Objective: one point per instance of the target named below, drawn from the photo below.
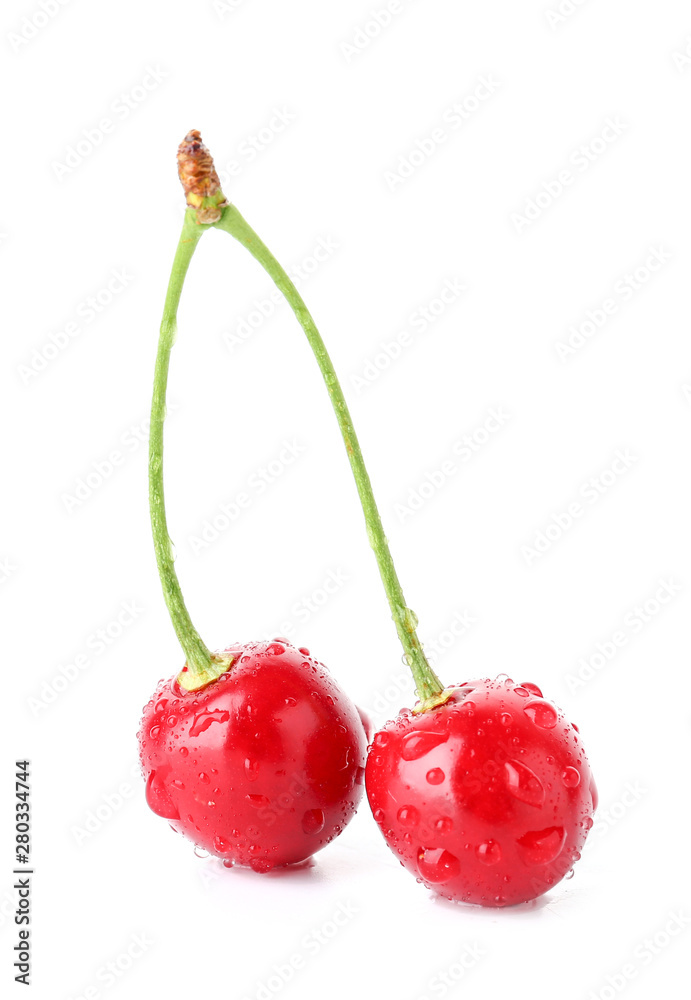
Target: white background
(350, 115)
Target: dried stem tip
(199, 178)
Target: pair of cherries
(256, 754)
(486, 798)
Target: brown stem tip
(199, 178)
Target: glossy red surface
(264, 766)
(487, 799)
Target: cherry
(254, 753)
(486, 798)
(264, 766)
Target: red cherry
(487, 798)
(262, 767)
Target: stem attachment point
(434, 701)
(194, 680)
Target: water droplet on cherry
(523, 783)
(408, 816)
(275, 649)
(258, 801)
(489, 852)
(260, 865)
(444, 825)
(158, 798)
(435, 776)
(533, 688)
(541, 713)
(593, 794)
(437, 865)
(539, 847)
(313, 821)
(571, 777)
(205, 719)
(420, 742)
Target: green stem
(430, 689)
(202, 666)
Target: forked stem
(430, 689)
(208, 207)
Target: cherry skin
(262, 767)
(486, 799)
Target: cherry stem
(430, 689)
(202, 666)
